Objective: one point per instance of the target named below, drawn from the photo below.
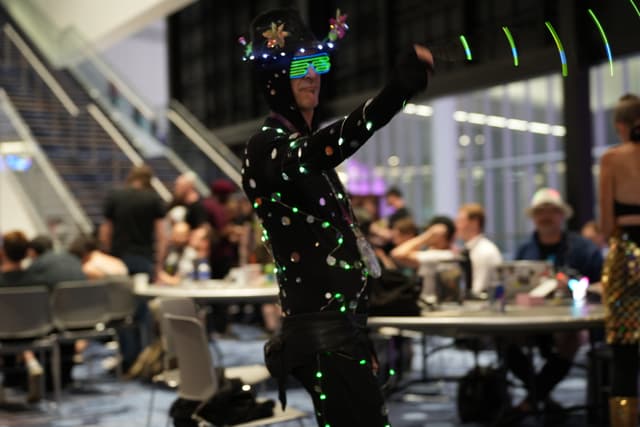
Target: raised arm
(327, 148)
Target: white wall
(13, 212)
(140, 60)
(104, 22)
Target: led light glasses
(300, 65)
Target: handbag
(621, 285)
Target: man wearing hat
(571, 254)
(324, 263)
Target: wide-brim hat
(548, 197)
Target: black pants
(539, 385)
(345, 392)
(625, 370)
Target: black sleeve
(109, 206)
(330, 146)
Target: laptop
(520, 276)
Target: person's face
(623, 131)
(392, 201)
(180, 235)
(590, 233)
(306, 90)
(464, 227)
(181, 187)
(548, 219)
(199, 240)
(398, 237)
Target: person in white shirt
(437, 239)
(484, 254)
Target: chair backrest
(198, 379)
(80, 304)
(122, 301)
(176, 306)
(24, 312)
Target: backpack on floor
(482, 394)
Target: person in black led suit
(323, 261)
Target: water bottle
(203, 271)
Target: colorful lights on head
(320, 62)
(279, 43)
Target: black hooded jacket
(288, 174)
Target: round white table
(476, 319)
(215, 291)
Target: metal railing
(124, 107)
(47, 191)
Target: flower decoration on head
(338, 26)
(275, 35)
(248, 47)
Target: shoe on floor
(35, 372)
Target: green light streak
(563, 56)
(604, 39)
(465, 45)
(512, 43)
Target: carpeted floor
(109, 403)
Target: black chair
(25, 324)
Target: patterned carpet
(109, 403)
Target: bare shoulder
(612, 154)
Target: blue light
(18, 163)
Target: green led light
(294, 210)
(465, 45)
(323, 396)
(318, 374)
(343, 309)
(363, 362)
(512, 43)
(302, 169)
(326, 224)
(392, 372)
(369, 125)
(563, 56)
(635, 7)
(255, 206)
(338, 295)
(340, 141)
(340, 240)
(607, 47)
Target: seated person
(483, 253)
(95, 263)
(12, 254)
(178, 242)
(193, 261)
(426, 250)
(49, 267)
(567, 251)
(403, 230)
